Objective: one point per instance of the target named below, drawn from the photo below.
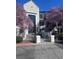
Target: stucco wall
(32, 9)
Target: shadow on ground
(59, 45)
(25, 52)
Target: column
(52, 38)
(38, 39)
(25, 34)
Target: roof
(28, 2)
(44, 11)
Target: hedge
(19, 39)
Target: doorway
(33, 18)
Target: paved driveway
(39, 51)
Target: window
(41, 23)
(41, 16)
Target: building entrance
(33, 30)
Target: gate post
(38, 39)
(53, 38)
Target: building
(32, 11)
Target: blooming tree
(54, 18)
(21, 19)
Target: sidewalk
(39, 51)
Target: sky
(44, 5)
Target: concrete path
(39, 51)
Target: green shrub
(19, 39)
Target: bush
(60, 36)
(19, 39)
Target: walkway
(39, 51)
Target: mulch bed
(24, 44)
